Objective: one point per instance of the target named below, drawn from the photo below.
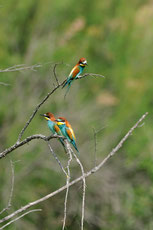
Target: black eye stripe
(60, 120)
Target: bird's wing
(70, 127)
(57, 129)
(74, 72)
(70, 133)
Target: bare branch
(19, 217)
(12, 188)
(26, 140)
(89, 74)
(84, 188)
(56, 158)
(93, 170)
(54, 71)
(67, 182)
(5, 84)
(20, 67)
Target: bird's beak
(44, 115)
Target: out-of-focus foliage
(116, 37)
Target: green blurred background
(116, 37)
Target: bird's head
(48, 116)
(61, 121)
(82, 62)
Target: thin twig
(12, 188)
(20, 67)
(56, 158)
(89, 74)
(5, 84)
(85, 75)
(93, 170)
(84, 188)
(67, 182)
(19, 217)
(54, 71)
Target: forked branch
(27, 140)
(93, 170)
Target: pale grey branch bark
(93, 170)
(89, 74)
(19, 217)
(67, 182)
(12, 188)
(84, 188)
(4, 84)
(56, 158)
(20, 68)
(54, 71)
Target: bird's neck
(81, 67)
(52, 119)
(50, 122)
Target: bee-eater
(53, 126)
(75, 72)
(67, 131)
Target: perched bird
(75, 72)
(67, 131)
(53, 126)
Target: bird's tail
(74, 144)
(65, 83)
(68, 87)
